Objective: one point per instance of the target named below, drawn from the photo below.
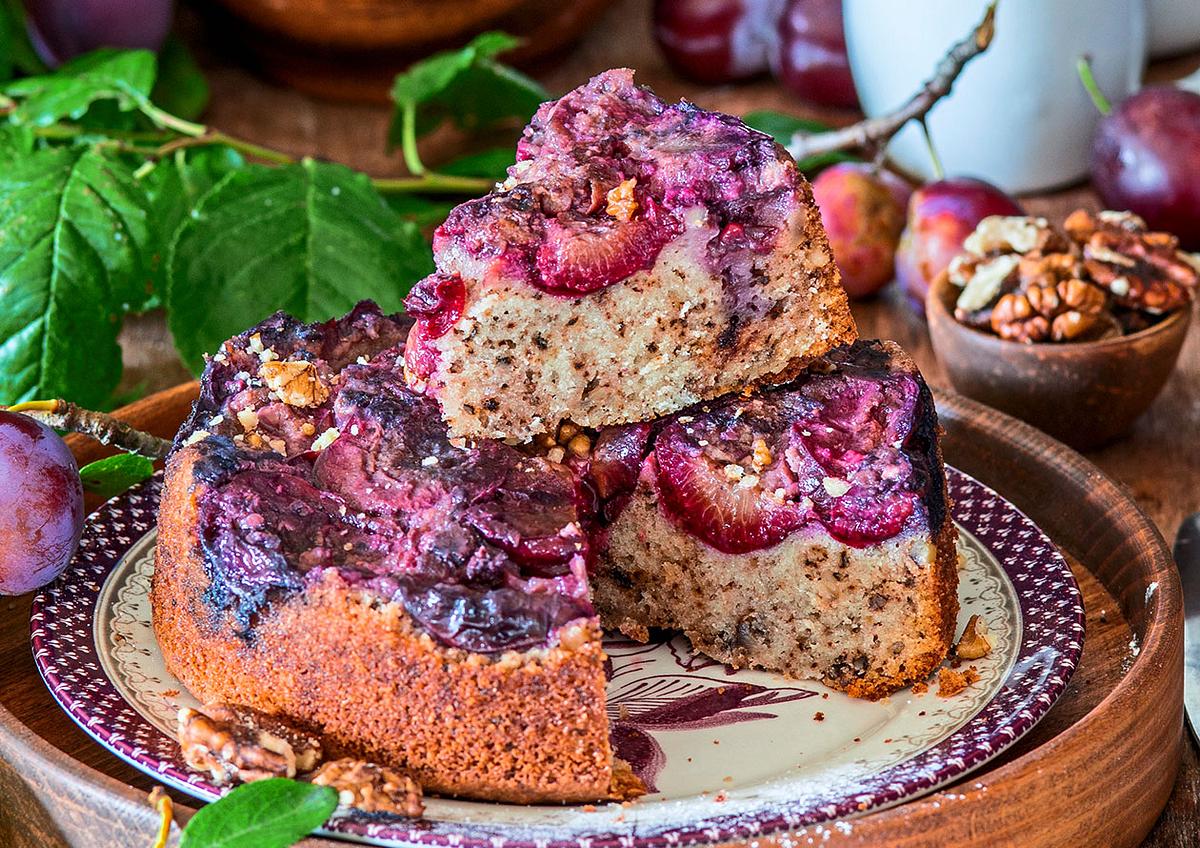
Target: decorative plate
(726, 754)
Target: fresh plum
(809, 55)
(941, 215)
(41, 504)
(64, 29)
(716, 41)
(863, 210)
(1146, 158)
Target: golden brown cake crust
(524, 728)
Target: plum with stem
(41, 504)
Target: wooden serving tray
(1096, 771)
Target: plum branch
(874, 132)
(104, 428)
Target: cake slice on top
(639, 258)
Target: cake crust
(524, 727)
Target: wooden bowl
(1084, 394)
(351, 49)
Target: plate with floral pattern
(725, 754)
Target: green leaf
(492, 164)
(72, 231)
(272, 813)
(114, 474)
(123, 76)
(16, 52)
(312, 239)
(181, 88)
(467, 86)
(421, 210)
(783, 127)
(174, 187)
(15, 141)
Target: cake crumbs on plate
(951, 681)
(818, 716)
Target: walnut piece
(234, 743)
(1142, 269)
(1013, 234)
(621, 202)
(974, 642)
(1070, 311)
(371, 788)
(296, 383)
(986, 283)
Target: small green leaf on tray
(467, 86)
(122, 76)
(273, 813)
(311, 239)
(181, 88)
(114, 474)
(784, 127)
(73, 230)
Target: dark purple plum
(41, 504)
(716, 41)
(1146, 159)
(64, 29)
(808, 56)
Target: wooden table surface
(1159, 462)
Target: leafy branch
(114, 204)
(872, 133)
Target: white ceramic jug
(1018, 115)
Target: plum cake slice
(803, 529)
(640, 257)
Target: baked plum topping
(836, 446)
(490, 620)
(437, 302)
(608, 175)
(233, 377)
(485, 545)
(584, 255)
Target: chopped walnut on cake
(641, 256)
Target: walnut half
(296, 383)
(234, 743)
(974, 642)
(371, 788)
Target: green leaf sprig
(272, 813)
(115, 201)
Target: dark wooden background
(1159, 462)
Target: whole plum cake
(639, 258)
(330, 555)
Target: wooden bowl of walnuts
(1073, 329)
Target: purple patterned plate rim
(1047, 642)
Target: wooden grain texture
(1111, 742)
(1158, 465)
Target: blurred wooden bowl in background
(351, 49)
